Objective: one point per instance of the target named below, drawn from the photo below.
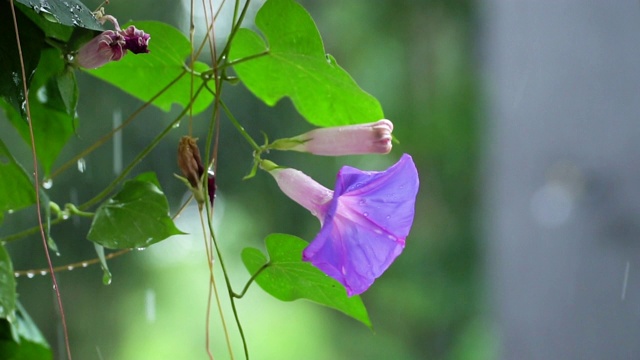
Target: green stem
(28, 232)
(237, 23)
(108, 136)
(73, 210)
(239, 127)
(251, 280)
(244, 59)
(140, 156)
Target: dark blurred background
(522, 120)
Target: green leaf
(7, 284)
(135, 217)
(32, 41)
(52, 99)
(296, 66)
(71, 13)
(22, 340)
(16, 189)
(288, 278)
(144, 75)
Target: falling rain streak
(117, 142)
(82, 165)
(625, 281)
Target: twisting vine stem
(37, 183)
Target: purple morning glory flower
(365, 221)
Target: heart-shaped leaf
(287, 277)
(135, 217)
(144, 75)
(294, 64)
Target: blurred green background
(417, 58)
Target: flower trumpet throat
(364, 220)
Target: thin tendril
(212, 127)
(251, 280)
(37, 183)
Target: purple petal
(365, 228)
(136, 40)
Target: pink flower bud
(189, 161)
(371, 138)
(108, 46)
(112, 46)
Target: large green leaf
(71, 13)
(295, 65)
(21, 340)
(52, 101)
(7, 284)
(135, 217)
(144, 75)
(288, 278)
(68, 21)
(16, 189)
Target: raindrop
(55, 287)
(42, 95)
(82, 165)
(10, 211)
(140, 248)
(16, 274)
(366, 214)
(30, 275)
(47, 184)
(85, 264)
(106, 280)
(176, 125)
(43, 272)
(65, 216)
(117, 142)
(70, 267)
